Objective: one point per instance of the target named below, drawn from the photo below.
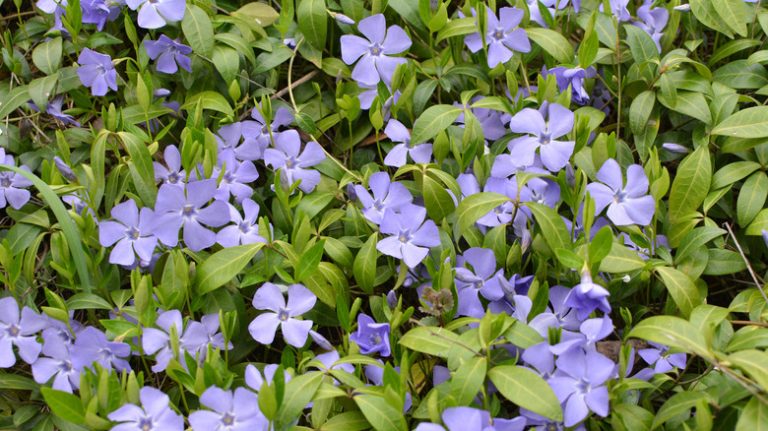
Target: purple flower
(542, 191)
(481, 279)
(100, 11)
(397, 156)
(472, 419)
(131, 231)
(50, 6)
(619, 9)
(230, 411)
(270, 297)
(379, 43)
(18, 329)
(587, 297)
(158, 341)
(292, 164)
(157, 13)
(261, 130)
(514, 302)
(503, 213)
(254, 378)
(154, 414)
(57, 365)
(559, 315)
(386, 195)
(580, 384)
(341, 18)
(246, 228)
(573, 77)
(652, 21)
(235, 177)
(176, 209)
(171, 173)
(590, 332)
(170, 54)
(12, 184)
(662, 361)
(97, 72)
(54, 110)
(65, 170)
(491, 121)
(372, 337)
(411, 236)
(627, 203)
(550, 122)
(241, 139)
(329, 359)
(503, 36)
(92, 345)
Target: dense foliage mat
(387, 214)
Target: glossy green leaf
(382, 415)
(313, 21)
(198, 30)
(527, 389)
(691, 184)
(674, 332)
(432, 121)
(223, 266)
(552, 42)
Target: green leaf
(198, 30)
(706, 13)
(748, 337)
(569, 259)
(677, 404)
(754, 416)
(64, 405)
(309, 261)
(223, 266)
(640, 111)
(752, 362)
(66, 223)
(733, 172)
(673, 332)
(475, 206)
(457, 27)
(751, 198)
(347, 421)
(141, 167)
(526, 389)
(382, 415)
(621, 259)
(640, 44)
(741, 74)
(601, 245)
(227, 62)
(270, 60)
(690, 103)
(724, 262)
(263, 14)
(436, 199)
(298, 393)
(208, 100)
(47, 56)
(732, 14)
(431, 340)
(364, 266)
(681, 288)
(408, 9)
(313, 21)
(747, 123)
(41, 90)
(552, 226)
(16, 97)
(17, 382)
(432, 121)
(691, 184)
(88, 301)
(553, 43)
(468, 379)
(759, 224)
(696, 238)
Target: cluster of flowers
(192, 203)
(60, 351)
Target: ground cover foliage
(389, 215)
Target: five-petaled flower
(543, 127)
(154, 414)
(230, 411)
(372, 337)
(170, 54)
(386, 195)
(293, 163)
(627, 202)
(97, 72)
(374, 50)
(270, 297)
(398, 155)
(411, 237)
(18, 328)
(503, 36)
(132, 231)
